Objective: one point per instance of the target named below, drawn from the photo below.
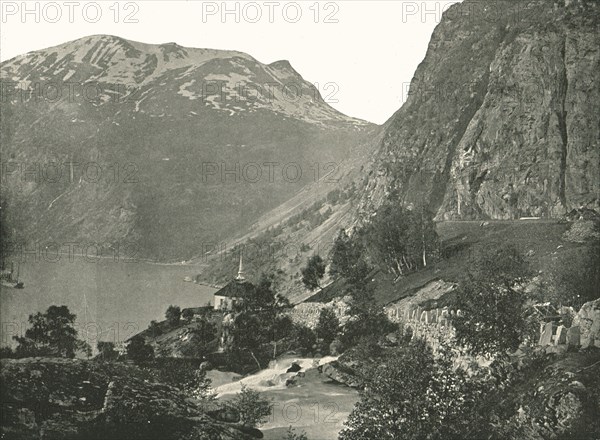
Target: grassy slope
(459, 239)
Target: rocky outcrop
(341, 372)
(588, 321)
(501, 117)
(76, 399)
(558, 401)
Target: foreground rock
(588, 320)
(75, 399)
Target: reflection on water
(122, 297)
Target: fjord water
(122, 297)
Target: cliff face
(502, 115)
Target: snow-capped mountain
(143, 131)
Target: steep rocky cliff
(501, 119)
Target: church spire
(240, 276)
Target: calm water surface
(122, 297)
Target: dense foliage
(173, 315)
(410, 395)
(313, 272)
(252, 408)
(348, 260)
(492, 304)
(138, 350)
(574, 281)
(51, 334)
(328, 326)
(401, 240)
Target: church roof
(236, 289)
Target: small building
(234, 292)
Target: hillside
(74, 399)
(162, 147)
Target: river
(313, 405)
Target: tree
(328, 325)
(348, 261)
(574, 280)
(173, 315)
(252, 408)
(202, 334)
(106, 351)
(51, 334)
(258, 324)
(409, 395)
(492, 318)
(303, 339)
(187, 314)
(400, 239)
(370, 322)
(313, 272)
(155, 329)
(138, 350)
(6, 353)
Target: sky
(361, 54)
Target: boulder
(294, 368)
(547, 332)
(340, 373)
(561, 335)
(573, 337)
(588, 321)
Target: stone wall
(307, 313)
(585, 331)
(434, 326)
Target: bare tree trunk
(255, 360)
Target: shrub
(252, 408)
(173, 315)
(138, 350)
(328, 325)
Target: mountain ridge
(177, 121)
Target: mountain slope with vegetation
(166, 148)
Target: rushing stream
(314, 404)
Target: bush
(372, 323)
(187, 314)
(184, 374)
(328, 326)
(251, 407)
(574, 280)
(493, 308)
(138, 350)
(155, 329)
(106, 351)
(6, 353)
(173, 315)
(303, 339)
